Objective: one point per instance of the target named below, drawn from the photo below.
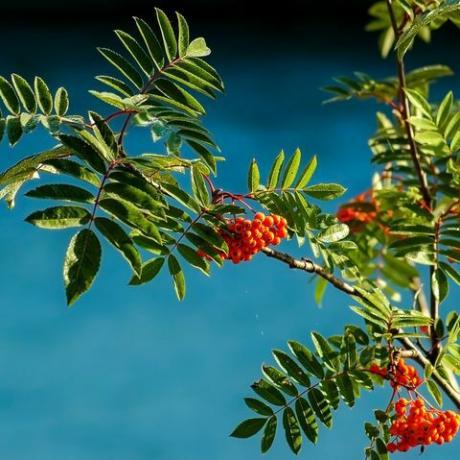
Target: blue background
(130, 373)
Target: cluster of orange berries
(402, 375)
(360, 211)
(415, 425)
(245, 238)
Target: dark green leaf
(306, 358)
(8, 96)
(121, 241)
(291, 368)
(14, 130)
(269, 434)
(258, 406)
(292, 430)
(167, 32)
(43, 95)
(24, 92)
(61, 102)
(268, 392)
(178, 276)
(81, 264)
(249, 428)
(124, 66)
(131, 216)
(148, 271)
(60, 217)
(320, 405)
(307, 419)
(63, 192)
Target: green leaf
(253, 176)
(136, 51)
(131, 216)
(440, 284)
(59, 217)
(116, 84)
(269, 434)
(192, 257)
(434, 390)
(204, 153)
(268, 392)
(61, 102)
(116, 236)
(306, 358)
(183, 35)
(14, 130)
(73, 169)
(25, 93)
(151, 42)
(418, 101)
(105, 136)
(8, 96)
(84, 151)
(167, 33)
(258, 406)
(329, 388)
(81, 264)
(324, 350)
(320, 406)
(307, 173)
(249, 428)
(423, 20)
(291, 169)
(124, 66)
(172, 94)
(346, 388)
(24, 168)
(325, 191)
(320, 290)
(148, 271)
(178, 276)
(291, 368)
(63, 192)
(134, 196)
(182, 197)
(280, 380)
(275, 171)
(199, 189)
(307, 419)
(444, 108)
(292, 430)
(451, 272)
(198, 48)
(43, 95)
(334, 233)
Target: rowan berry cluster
(245, 238)
(414, 425)
(400, 374)
(359, 212)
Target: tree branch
(453, 394)
(310, 267)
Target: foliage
(162, 211)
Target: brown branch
(451, 392)
(405, 113)
(310, 267)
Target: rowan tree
(398, 240)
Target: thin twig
(310, 267)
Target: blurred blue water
(129, 373)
